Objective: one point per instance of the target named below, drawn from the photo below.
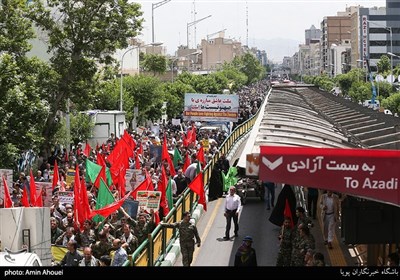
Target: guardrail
(153, 250)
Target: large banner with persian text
(361, 172)
(211, 107)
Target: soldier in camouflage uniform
(143, 226)
(102, 247)
(285, 250)
(187, 233)
(301, 245)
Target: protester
(245, 254)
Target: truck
(105, 123)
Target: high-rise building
(313, 35)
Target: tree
(392, 103)
(250, 66)
(23, 84)
(82, 34)
(384, 64)
(145, 93)
(155, 63)
(174, 94)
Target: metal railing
(153, 250)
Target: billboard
(211, 107)
(361, 172)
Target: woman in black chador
(277, 212)
(215, 189)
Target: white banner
(211, 107)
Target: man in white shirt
(232, 208)
(330, 215)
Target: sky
(277, 27)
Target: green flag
(104, 197)
(93, 170)
(177, 157)
(169, 194)
(230, 179)
(198, 168)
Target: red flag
(7, 198)
(32, 189)
(39, 199)
(137, 162)
(185, 142)
(197, 187)
(121, 182)
(193, 135)
(87, 150)
(142, 187)
(110, 208)
(66, 156)
(288, 213)
(200, 156)
(77, 205)
(102, 175)
(150, 186)
(100, 160)
(157, 219)
(162, 187)
(24, 199)
(186, 163)
(85, 207)
(56, 176)
(129, 140)
(165, 155)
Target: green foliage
(384, 64)
(155, 63)
(15, 28)
(250, 66)
(392, 103)
(360, 91)
(345, 81)
(23, 108)
(174, 94)
(107, 96)
(82, 35)
(145, 93)
(81, 127)
(384, 89)
(236, 79)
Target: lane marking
(208, 227)
(335, 254)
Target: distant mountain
(276, 48)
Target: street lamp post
(153, 7)
(391, 61)
(176, 59)
(191, 24)
(389, 28)
(122, 70)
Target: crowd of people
(112, 240)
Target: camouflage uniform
(85, 238)
(285, 250)
(187, 231)
(141, 230)
(300, 249)
(100, 249)
(132, 243)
